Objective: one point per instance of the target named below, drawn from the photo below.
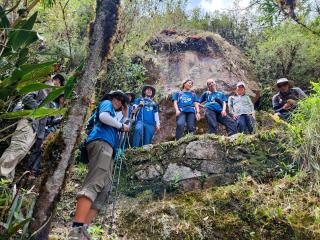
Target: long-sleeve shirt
(280, 99)
(239, 105)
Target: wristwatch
(122, 127)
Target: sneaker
(79, 233)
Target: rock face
(177, 56)
(202, 161)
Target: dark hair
(60, 77)
(121, 99)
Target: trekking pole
(142, 124)
(120, 154)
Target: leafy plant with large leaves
(17, 76)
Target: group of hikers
(120, 112)
(30, 133)
(102, 141)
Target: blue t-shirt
(130, 109)
(211, 102)
(103, 131)
(185, 101)
(147, 111)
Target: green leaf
(37, 75)
(4, 22)
(18, 114)
(41, 112)
(48, 3)
(34, 87)
(69, 87)
(16, 227)
(26, 73)
(23, 57)
(37, 113)
(22, 35)
(7, 91)
(52, 96)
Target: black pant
(35, 157)
(182, 119)
(214, 117)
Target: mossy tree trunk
(101, 35)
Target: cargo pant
(21, 143)
(98, 182)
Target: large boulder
(202, 161)
(177, 56)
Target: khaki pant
(98, 182)
(21, 143)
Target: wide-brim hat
(116, 93)
(182, 86)
(133, 96)
(283, 80)
(146, 87)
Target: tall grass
(305, 131)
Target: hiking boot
(79, 233)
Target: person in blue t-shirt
(216, 109)
(147, 119)
(101, 143)
(186, 104)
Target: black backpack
(92, 121)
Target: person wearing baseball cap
(147, 119)
(242, 110)
(100, 145)
(286, 99)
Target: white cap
(282, 80)
(241, 84)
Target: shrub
(305, 131)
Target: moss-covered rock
(202, 161)
(283, 209)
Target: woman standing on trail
(186, 104)
(101, 144)
(147, 117)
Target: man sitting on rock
(147, 120)
(186, 104)
(286, 99)
(216, 109)
(242, 110)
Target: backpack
(92, 121)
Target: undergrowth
(285, 209)
(305, 131)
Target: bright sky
(212, 5)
